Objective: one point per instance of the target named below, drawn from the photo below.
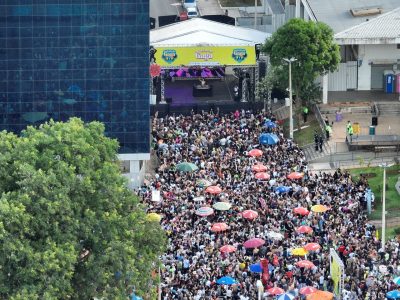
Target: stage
(180, 92)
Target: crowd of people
(219, 145)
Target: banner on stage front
(337, 273)
(172, 57)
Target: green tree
(312, 44)
(69, 227)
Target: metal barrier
(318, 115)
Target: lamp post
(384, 166)
(289, 61)
(255, 14)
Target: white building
(368, 33)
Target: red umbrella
(307, 290)
(204, 211)
(295, 175)
(213, 189)
(305, 264)
(255, 153)
(259, 168)
(275, 291)
(249, 214)
(227, 249)
(304, 229)
(218, 227)
(301, 211)
(262, 176)
(312, 247)
(254, 243)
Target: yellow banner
(171, 57)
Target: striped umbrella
(204, 211)
(286, 296)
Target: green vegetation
(69, 226)
(304, 136)
(312, 44)
(392, 197)
(238, 3)
(390, 233)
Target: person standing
(305, 113)
(348, 126)
(328, 131)
(316, 140)
(320, 142)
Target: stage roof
(201, 32)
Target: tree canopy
(312, 44)
(69, 226)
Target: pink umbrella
(254, 243)
(307, 290)
(312, 247)
(262, 176)
(301, 211)
(204, 211)
(275, 291)
(255, 153)
(218, 227)
(304, 229)
(259, 168)
(227, 249)
(214, 190)
(295, 175)
(249, 214)
(305, 264)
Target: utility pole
(289, 61)
(255, 14)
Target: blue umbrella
(285, 296)
(226, 280)
(395, 294)
(270, 124)
(397, 280)
(282, 189)
(268, 139)
(256, 268)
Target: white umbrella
(199, 198)
(275, 235)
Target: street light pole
(255, 14)
(383, 207)
(289, 61)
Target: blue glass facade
(83, 58)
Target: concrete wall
(374, 54)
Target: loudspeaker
(262, 68)
(374, 121)
(168, 100)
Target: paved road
(164, 8)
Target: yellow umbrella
(299, 252)
(153, 217)
(319, 208)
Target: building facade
(81, 58)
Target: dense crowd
(219, 145)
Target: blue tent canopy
(268, 139)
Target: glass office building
(83, 58)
